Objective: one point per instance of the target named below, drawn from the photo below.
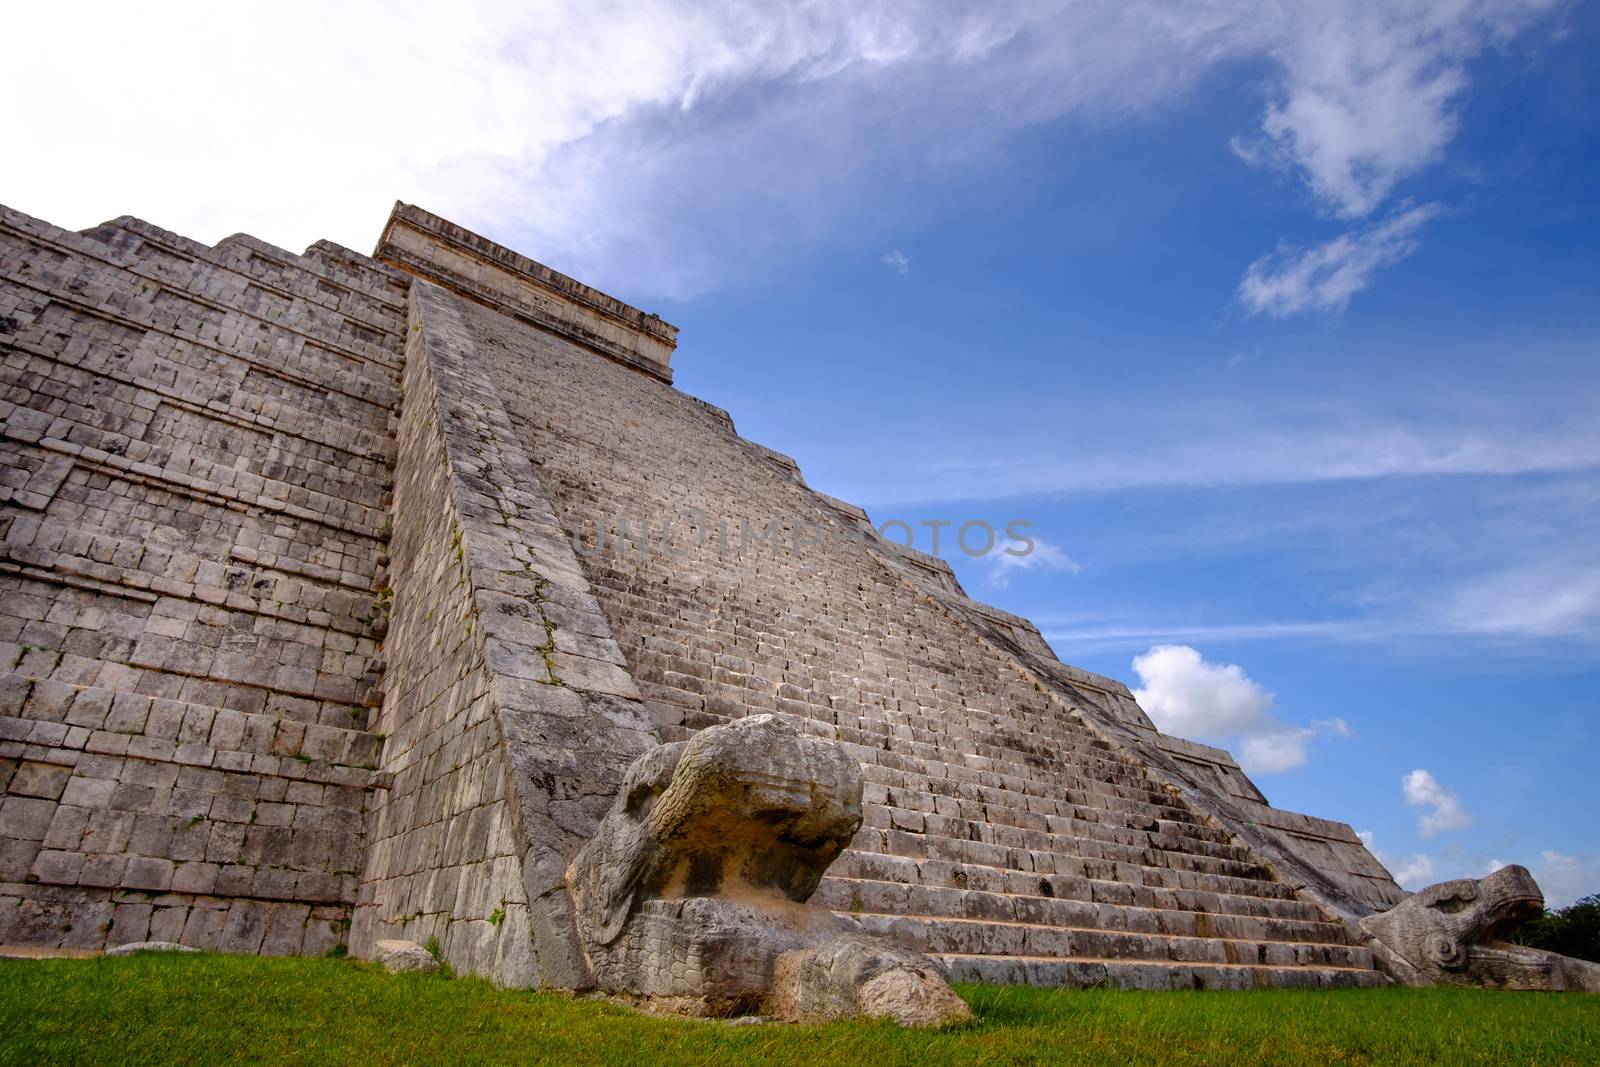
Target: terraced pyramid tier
(197, 447)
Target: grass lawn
(202, 1009)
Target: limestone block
(404, 957)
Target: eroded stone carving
(692, 894)
(1451, 933)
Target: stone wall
(192, 525)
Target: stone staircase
(1002, 833)
(1081, 874)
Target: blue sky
(1280, 325)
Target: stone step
(1086, 778)
(361, 272)
(145, 247)
(1155, 851)
(1170, 870)
(1065, 795)
(1130, 887)
(100, 273)
(987, 937)
(55, 720)
(197, 351)
(1046, 833)
(1084, 973)
(859, 895)
(1041, 746)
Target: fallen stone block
(404, 957)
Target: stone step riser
(940, 874)
(888, 898)
(998, 939)
(1124, 974)
(1180, 875)
(1062, 839)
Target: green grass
(202, 1009)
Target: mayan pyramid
(338, 592)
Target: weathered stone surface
(194, 444)
(1451, 934)
(403, 957)
(720, 840)
(852, 975)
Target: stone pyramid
(338, 594)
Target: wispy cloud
(671, 145)
(1324, 278)
(1042, 556)
(1442, 809)
(1413, 872)
(1188, 437)
(1128, 636)
(1367, 98)
(1368, 93)
(1526, 604)
(1566, 878)
(1188, 696)
(1544, 598)
(897, 261)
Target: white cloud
(1276, 751)
(1188, 696)
(1367, 99)
(897, 261)
(1325, 277)
(1566, 879)
(1563, 879)
(1368, 92)
(659, 148)
(1547, 598)
(1412, 872)
(1444, 811)
(1042, 557)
